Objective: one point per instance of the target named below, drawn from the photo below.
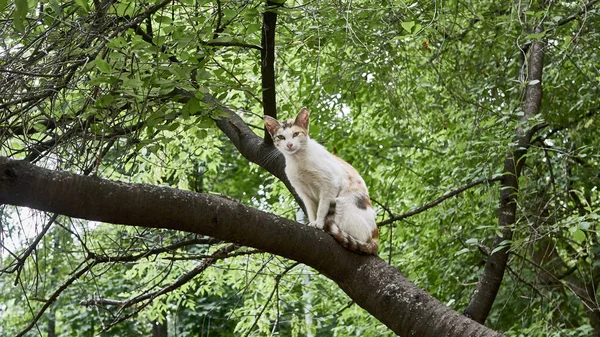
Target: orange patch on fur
(375, 233)
(368, 202)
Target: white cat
(334, 194)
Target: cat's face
(289, 136)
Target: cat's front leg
(310, 207)
(325, 203)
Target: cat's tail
(349, 242)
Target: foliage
(421, 97)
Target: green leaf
(203, 75)
(56, 7)
(191, 107)
(408, 26)
(502, 245)
(20, 13)
(102, 65)
(579, 236)
(472, 241)
(221, 39)
(462, 251)
(39, 127)
(536, 36)
(83, 4)
(584, 225)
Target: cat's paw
(316, 224)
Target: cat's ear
(302, 118)
(271, 124)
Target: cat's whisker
(269, 157)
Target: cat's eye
(295, 134)
(281, 137)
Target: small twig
(238, 81)
(277, 280)
(3, 70)
(391, 214)
(572, 17)
(172, 247)
(230, 44)
(201, 267)
(32, 246)
(54, 296)
(438, 200)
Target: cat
(334, 194)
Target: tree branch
(275, 288)
(183, 279)
(586, 7)
(21, 260)
(368, 280)
(54, 296)
(489, 284)
(438, 200)
(267, 59)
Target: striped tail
(349, 242)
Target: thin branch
(390, 243)
(183, 279)
(438, 200)
(54, 296)
(586, 8)
(4, 70)
(204, 256)
(130, 258)
(275, 287)
(238, 81)
(21, 260)
(230, 44)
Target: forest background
(139, 195)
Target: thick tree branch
(493, 273)
(251, 146)
(368, 280)
(267, 59)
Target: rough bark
(251, 146)
(267, 57)
(489, 283)
(369, 281)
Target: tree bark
(489, 284)
(251, 146)
(160, 329)
(373, 284)
(267, 58)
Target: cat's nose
(289, 145)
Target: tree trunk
(493, 273)
(160, 329)
(373, 284)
